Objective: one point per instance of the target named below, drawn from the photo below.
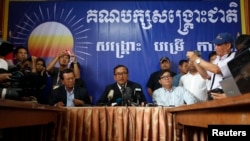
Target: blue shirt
(176, 79)
(175, 97)
(70, 98)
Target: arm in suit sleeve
(103, 98)
(56, 96)
(82, 94)
(86, 97)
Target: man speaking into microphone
(122, 92)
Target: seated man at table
(123, 92)
(68, 94)
(169, 95)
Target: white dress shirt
(195, 84)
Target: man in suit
(123, 92)
(68, 94)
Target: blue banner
(134, 33)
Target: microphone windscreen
(119, 101)
(128, 91)
(110, 94)
(137, 90)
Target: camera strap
(212, 82)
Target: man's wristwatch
(198, 61)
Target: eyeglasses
(70, 79)
(121, 74)
(166, 77)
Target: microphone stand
(138, 99)
(123, 93)
(109, 102)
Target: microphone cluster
(137, 93)
(126, 99)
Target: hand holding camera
(214, 92)
(193, 55)
(5, 77)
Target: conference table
(30, 121)
(187, 123)
(191, 121)
(116, 124)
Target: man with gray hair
(218, 69)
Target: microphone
(137, 93)
(110, 96)
(127, 96)
(118, 101)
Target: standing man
(63, 59)
(20, 54)
(193, 82)
(218, 70)
(153, 82)
(122, 89)
(183, 67)
(68, 94)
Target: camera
(198, 53)
(20, 85)
(10, 93)
(217, 90)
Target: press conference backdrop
(134, 33)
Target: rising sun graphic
(48, 33)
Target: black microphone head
(128, 92)
(137, 92)
(119, 101)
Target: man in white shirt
(169, 95)
(3, 64)
(218, 70)
(193, 82)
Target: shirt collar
(70, 92)
(119, 86)
(172, 89)
(224, 56)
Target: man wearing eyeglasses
(69, 94)
(153, 83)
(169, 95)
(123, 92)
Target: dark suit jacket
(103, 100)
(60, 94)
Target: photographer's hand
(59, 104)
(218, 95)
(78, 102)
(4, 77)
(192, 55)
(73, 58)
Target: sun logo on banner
(47, 32)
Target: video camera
(20, 85)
